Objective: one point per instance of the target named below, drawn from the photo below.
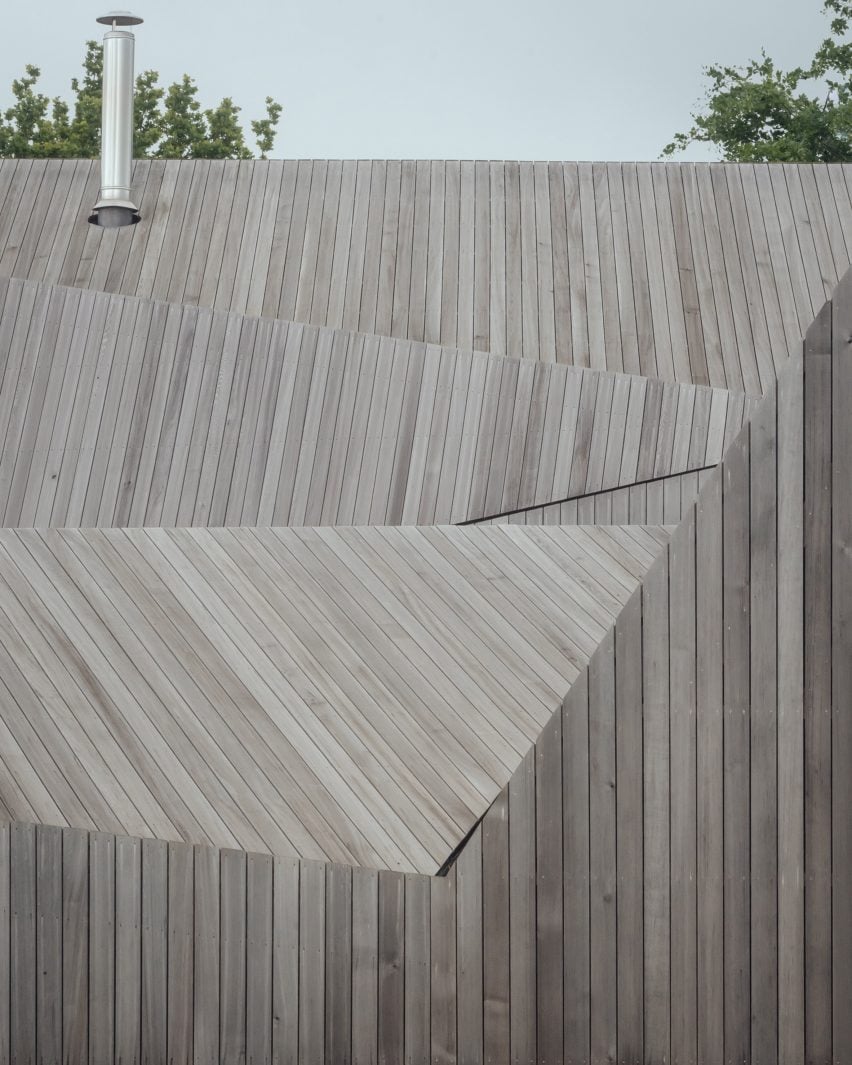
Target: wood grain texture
(122, 412)
(692, 680)
(647, 902)
(661, 502)
(267, 689)
(699, 273)
(817, 685)
(653, 867)
(841, 674)
(273, 951)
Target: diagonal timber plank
(350, 694)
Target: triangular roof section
(118, 411)
(353, 695)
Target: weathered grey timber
(339, 694)
(277, 972)
(702, 273)
(718, 927)
(122, 412)
(664, 501)
(607, 907)
(666, 873)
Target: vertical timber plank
(338, 965)
(180, 960)
(657, 783)
(417, 970)
(443, 968)
(232, 957)
(791, 756)
(495, 930)
(764, 734)
(206, 981)
(469, 949)
(549, 897)
(682, 784)
(522, 914)
(817, 686)
(259, 878)
(709, 771)
(602, 853)
(5, 945)
(737, 857)
(575, 848)
(841, 670)
(311, 963)
(155, 865)
(22, 937)
(285, 961)
(101, 947)
(391, 962)
(365, 973)
(128, 950)
(49, 943)
(75, 946)
(629, 805)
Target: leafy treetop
(759, 113)
(169, 122)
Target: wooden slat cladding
(341, 694)
(196, 954)
(666, 865)
(116, 412)
(664, 877)
(699, 273)
(666, 874)
(702, 779)
(661, 502)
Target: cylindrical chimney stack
(115, 207)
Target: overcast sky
(541, 79)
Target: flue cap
(120, 18)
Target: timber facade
(425, 596)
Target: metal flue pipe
(115, 207)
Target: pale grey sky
(545, 79)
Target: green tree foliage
(169, 122)
(264, 128)
(759, 113)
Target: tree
(759, 113)
(182, 124)
(264, 128)
(169, 122)
(26, 123)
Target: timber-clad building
(426, 614)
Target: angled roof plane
(424, 601)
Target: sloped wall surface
(123, 412)
(369, 352)
(349, 695)
(667, 877)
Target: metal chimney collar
(120, 18)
